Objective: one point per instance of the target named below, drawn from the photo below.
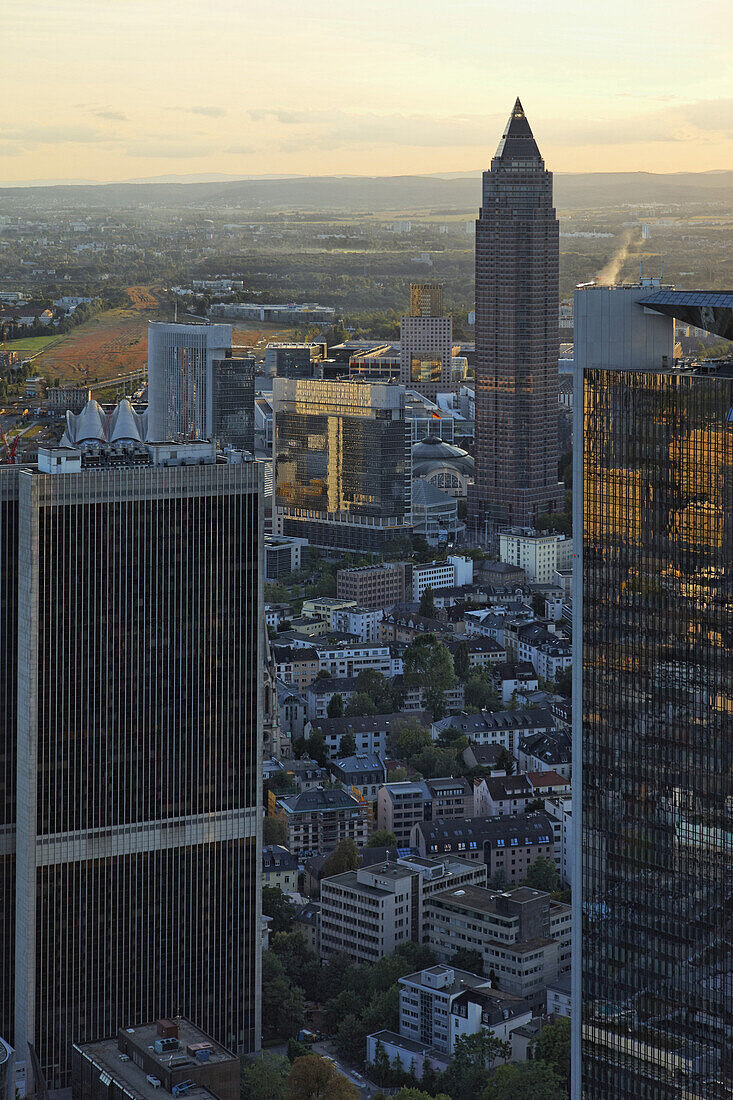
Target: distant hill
(359, 194)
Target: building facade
(426, 342)
(131, 736)
(375, 585)
(655, 730)
(517, 263)
(342, 463)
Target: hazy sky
(116, 89)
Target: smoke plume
(611, 271)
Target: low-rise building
(279, 868)
(502, 727)
(291, 710)
(548, 751)
(401, 805)
(320, 693)
(370, 732)
(494, 758)
(502, 796)
(317, 820)
(282, 556)
(324, 607)
(511, 930)
(295, 665)
(559, 997)
(560, 812)
(482, 652)
(307, 921)
(369, 912)
(156, 1058)
(515, 676)
(455, 571)
(507, 845)
(351, 658)
(362, 622)
(375, 585)
(365, 772)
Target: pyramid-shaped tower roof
(517, 141)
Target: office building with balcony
(342, 463)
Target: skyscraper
(130, 734)
(342, 463)
(516, 335)
(426, 342)
(197, 389)
(653, 706)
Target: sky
(125, 89)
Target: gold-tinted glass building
(653, 1004)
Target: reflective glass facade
(657, 736)
(343, 461)
(234, 402)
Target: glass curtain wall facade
(8, 721)
(137, 832)
(234, 402)
(180, 378)
(517, 267)
(342, 462)
(656, 737)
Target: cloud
(162, 151)
(114, 116)
(209, 112)
(241, 149)
(51, 135)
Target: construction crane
(11, 448)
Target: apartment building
(534, 552)
(320, 693)
(454, 571)
(502, 795)
(370, 732)
(362, 622)
(351, 658)
(325, 607)
(401, 805)
(367, 913)
(509, 845)
(316, 820)
(365, 772)
(503, 727)
(295, 665)
(512, 931)
(279, 868)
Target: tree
(347, 747)
(564, 682)
(466, 958)
(335, 708)
(283, 1009)
(265, 1078)
(273, 830)
(299, 961)
(407, 738)
(480, 692)
(360, 704)
(553, 1046)
(277, 905)
(429, 666)
(378, 688)
(418, 1094)
(344, 857)
(473, 1057)
(315, 1078)
(461, 661)
(427, 603)
(542, 875)
(351, 1039)
(526, 1081)
(382, 838)
(506, 761)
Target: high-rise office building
(426, 342)
(653, 703)
(197, 389)
(342, 463)
(516, 336)
(130, 744)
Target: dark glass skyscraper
(130, 733)
(654, 735)
(516, 335)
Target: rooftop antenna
(640, 263)
(661, 272)
(176, 311)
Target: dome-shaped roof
(431, 453)
(125, 424)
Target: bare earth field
(115, 342)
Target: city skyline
(120, 99)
